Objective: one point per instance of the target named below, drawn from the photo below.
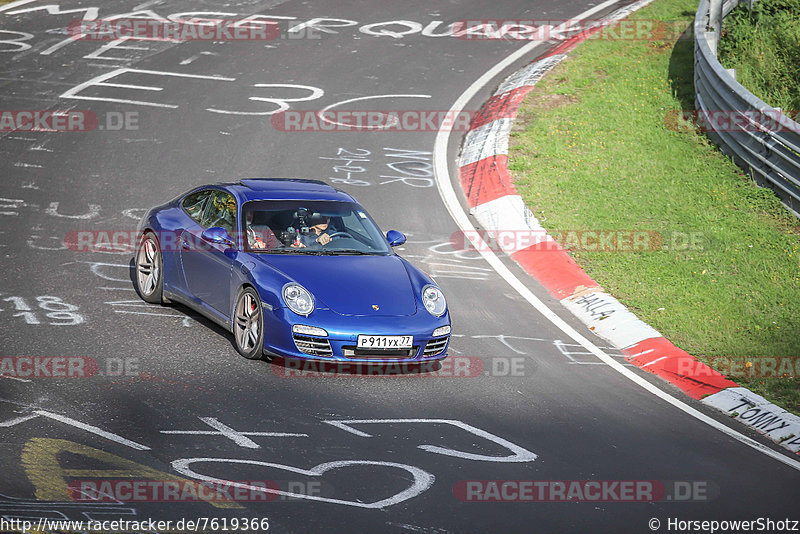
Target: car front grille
(435, 346)
(316, 346)
(351, 351)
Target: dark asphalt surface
(581, 419)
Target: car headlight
(298, 299)
(433, 299)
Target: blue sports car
(293, 268)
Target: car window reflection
(310, 227)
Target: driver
(318, 228)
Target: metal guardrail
(769, 153)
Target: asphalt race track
(515, 401)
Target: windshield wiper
(317, 252)
(351, 253)
(283, 251)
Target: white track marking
(13, 5)
(93, 213)
(77, 424)
(280, 103)
(101, 81)
(459, 216)
(324, 110)
(654, 361)
(117, 288)
(150, 313)
(197, 56)
(96, 266)
(17, 420)
(518, 454)
(240, 438)
(422, 479)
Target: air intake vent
(315, 346)
(436, 346)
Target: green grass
(595, 148)
(764, 48)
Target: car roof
(284, 189)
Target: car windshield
(310, 227)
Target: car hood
(352, 285)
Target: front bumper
(343, 332)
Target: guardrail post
(714, 24)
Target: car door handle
(185, 245)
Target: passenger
(259, 236)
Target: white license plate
(385, 342)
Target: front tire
(248, 325)
(149, 269)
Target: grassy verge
(596, 147)
(764, 48)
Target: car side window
(220, 211)
(194, 203)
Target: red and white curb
(494, 202)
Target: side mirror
(217, 235)
(395, 238)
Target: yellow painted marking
(40, 458)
